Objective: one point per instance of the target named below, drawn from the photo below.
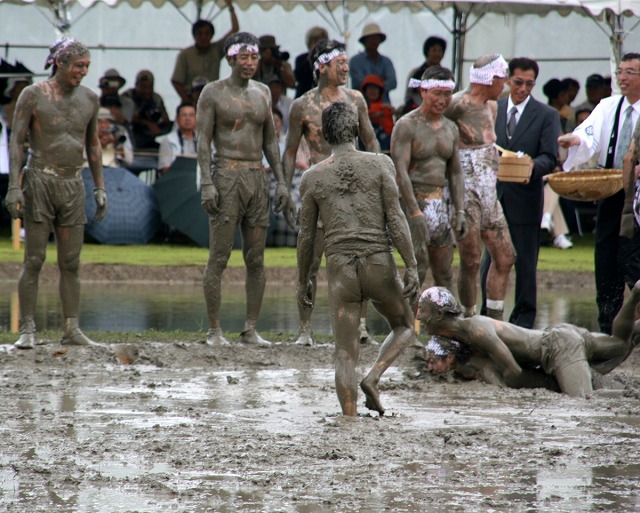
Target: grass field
(579, 258)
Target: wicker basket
(586, 185)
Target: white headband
(431, 84)
(436, 348)
(235, 49)
(485, 74)
(326, 58)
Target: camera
(280, 55)
(110, 100)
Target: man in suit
(524, 124)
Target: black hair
(524, 64)
(553, 88)
(437, 73)
(277, 112)
(339, 123)
(242, 38)
(433, 41)
(630, 56)
(324, 46)
(571, 82)
(198, 24)
(182, 105)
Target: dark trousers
(609, 278)
(526, 241)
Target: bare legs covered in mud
(69, 244)
(351, 280)
(221, 236)
(305, 337)
(500, 248)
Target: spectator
(433, 50)
(121, 107)
(203, 58)
(557, 94)
(197, 85)
(303, 69)
(595, 89)
(13, 90)
(380, 114)
(114, 140)
(182, 140)
(150, 117)
(273, 63)
(370, 62)
(279, 233)
(573, 87)
(280, 101)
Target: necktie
(511, 123)
(624, 138)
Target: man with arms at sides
(607, 132)
(424, 149)
(331, 71)
(524, 124)
(474, 111)
(355, 196)
(559, 357)
(235, 113)
(59, 119)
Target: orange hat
(372, 80)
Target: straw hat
(372, 29)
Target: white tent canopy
(148, 34)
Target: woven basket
(586, 185)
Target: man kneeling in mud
(560, 357)
(355, 196)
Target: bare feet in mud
(250, 336)
(26, 341)
(373, 397)
(77, 338)
(215, 338)
(305, 337)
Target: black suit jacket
(536, 134)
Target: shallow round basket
(586, 185)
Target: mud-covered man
(58, 117)
(331, 72)
(474, 111)
(235, 113)
(558, 358)
(355, 196)
(424, 149)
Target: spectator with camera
(203, 58)
(117, 150)
(303, 67)
(273, 63)
(121, 108)
(150, 117)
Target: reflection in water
(121, 307)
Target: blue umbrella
(133, 216)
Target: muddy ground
(185, 427)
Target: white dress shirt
(595, 131)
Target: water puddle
(131, 308)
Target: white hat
(372, 29)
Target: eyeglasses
(519, 83)
(627, 73)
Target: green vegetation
(580, 258)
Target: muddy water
(121, 307)
(193, 429)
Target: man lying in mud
(559, 357)
(58, 117)
(355, 196)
